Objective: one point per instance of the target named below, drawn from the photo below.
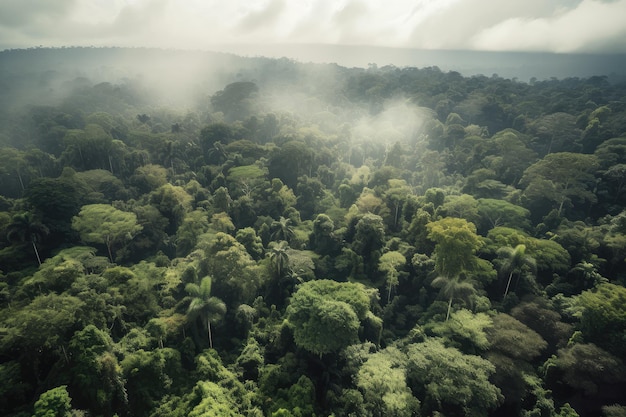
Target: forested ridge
(194, 234)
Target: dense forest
(195, 234)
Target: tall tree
(390, 264)
(515, 262)
(326, 315)
(456, 243)
(279, 257)
(561, 178)
(282, 229)
(102, 223)
(26, 228)
(452, 288)
(204, 306)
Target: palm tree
(282, 230)
(515, 261)
(279, 257)
(205, 306)
(26, 228)
(454, 288)
(218, 152)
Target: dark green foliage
(264, 218)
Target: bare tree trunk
(449, 308)
(208, 326)
(36, 251)
(508, 284)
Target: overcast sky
(510, 25)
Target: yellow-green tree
(104, 224)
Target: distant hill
(521, 65)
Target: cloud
(267, 17)
(592, 26)
(15, 13)
(546, 25)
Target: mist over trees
(195, 234)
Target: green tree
(204, 306)
(515, 261)
(382, 379)
(54, 403)
(450, 382)
(456, 243)
(279, 257)
(326, 315)
(586, 367)
(282, 229)
(602, 314)
(560, 178)
(465, 331)
(97, 382)
(495, 213)
(104, 224)
(390, 264)
(452, 288)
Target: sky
(587, 26)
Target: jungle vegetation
(190, 234)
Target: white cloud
(550, 25)
(585, 28)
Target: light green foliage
(104, 224)
(59, 272)
(542, 403)
(53, 403)
(443, 379)
(390, 263)
(382, 379)
(464, 330)
(214, 402)
(549, 255)
(42, 324)
(602, 313)
(456, 243)
(325, 315)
